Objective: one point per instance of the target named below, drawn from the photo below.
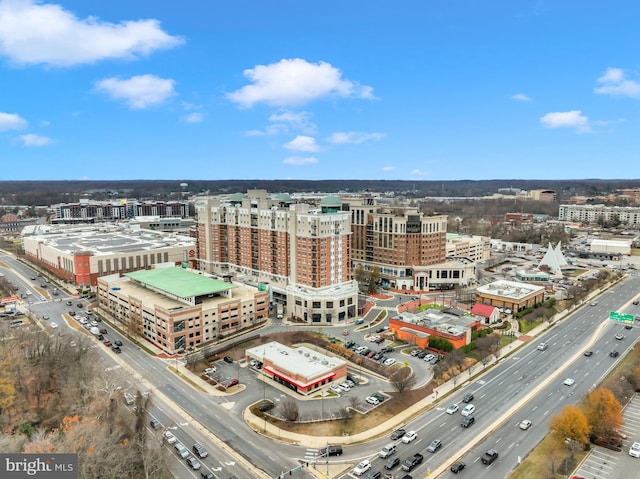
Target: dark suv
(199, 450)
(468, 421)
(468, 398)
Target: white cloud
(388, 168)
(566, 119)
(194, 117)
(140, 91)
(34, 140)
(34, 33)
(418, 172)
(615, 83)
(302, 143)
(299, 121)
(521, 97)
(608, 122)
(11, 121)
(298, 161)
(295, 82)
(354, 137)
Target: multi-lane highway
(525, 385)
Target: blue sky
(332, 89)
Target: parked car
(335, 388)
(228, 359)
(373, 401)
(266, 406)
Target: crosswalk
(310, 454)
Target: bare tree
(404, 378)
(354, 401)
(289, 409)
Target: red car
(231, 382)
(107, 342)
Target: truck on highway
(411, 462)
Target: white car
(210, 370)
(169, 437)
(373, 401)
(389, 362)
(428, 357)
(335, 388)
(345, 387)
(408, 437)
(569, 382)
(361, 468)
(453, 409)
(634, 450)
(373, 339)
(468, 410)
(54, 325)
(526, 424)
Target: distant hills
(49, 192)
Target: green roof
(179, 282)
(237, 197)
(331, 201)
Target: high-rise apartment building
(400, 240)
(301, 251)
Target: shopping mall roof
(105, 239)
(179, 282)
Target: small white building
(618, 246)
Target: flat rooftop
(103, 240)
(440, 320)
(179, 282)
(510, 289)
(301, 361)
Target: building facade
(91, 211)
(592, 214)
(510, 295)
(302, 251)
(177, 309)
(301, 369)
(397, 240)
(79, 255)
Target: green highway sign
(621, 318)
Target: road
(530, 376)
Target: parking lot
(603, 463)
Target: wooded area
(56, 397)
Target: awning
(300, 385)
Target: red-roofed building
(490, 314)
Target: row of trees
(57, 397)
